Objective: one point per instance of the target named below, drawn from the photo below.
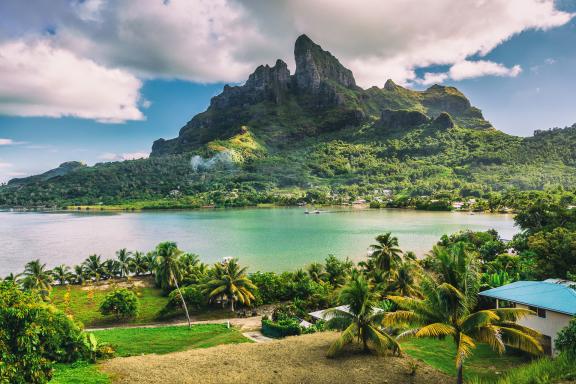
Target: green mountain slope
(317, 131)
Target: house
(553, 302)
(325, 315)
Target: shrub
(566, 339)
(193, 297)
(282, 328)
(33, 334)
(122, 303)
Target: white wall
(548, 326)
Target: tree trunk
(460, 377)
(183, 303)
(232, 304)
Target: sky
(100, 80)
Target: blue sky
(123, 94)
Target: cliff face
(321, 96)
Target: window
(540, 312)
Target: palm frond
(464, 349)
(345, 338)
(436, 330)
(517, 339)
(382, 341)
(478, 319)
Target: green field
(86, 309)
(138, 341)
(484, 364)
(135, 341)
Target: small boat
(306, 212)
(317, 212)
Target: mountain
(315, 131)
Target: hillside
(281, 134)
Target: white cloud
(5, 165)
(37, 79)
(433, 78)
(224, 40)
(110, 156)
(7, 142)
(469, 69)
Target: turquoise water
(275, 239)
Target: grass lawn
(78, 373)
(484, 363)
(86, 309)
(137, 341)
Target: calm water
(266, 239)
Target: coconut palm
(446, 311)
(385, 255)
(150, 258)
(62, 274)
(13, 278)
(361, 322)
(79, 275)
(110, 269)
(231, 283)
(193, 270)
(317, 273)
(37, 277)
(140, 264)
(124, 262)
(93, 267)
(168, 270)
(406, 280)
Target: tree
(230, 283)
(167, 270)
(62, 274)
(93, 267)
(140, 264)
(79, 275)
(124, 262)
(317, 273)
(446, 311)
(33, 334)
(121, 302)
(566, 339)
(110, 269)
(554, 252)
(385, 255)
(37, 277)
(362, 321)
(406, 280)
(337, 270)
(13, 279)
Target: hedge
(281, 328)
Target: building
(553, 302)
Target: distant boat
(317, 212)
(306, 212)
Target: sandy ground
(300, 359)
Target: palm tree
(386, 254)
(13, 278)
(362, 321)
(150, 258)
(447, 311)
(93, 267)
(406, 280)
(139, 264)
(110, 269)
(79, 274)
(124, 262)
(168, 270)
(62, 274)
(317, 273)
(230, 283)
(37, 277)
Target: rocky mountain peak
(390, 85)
(315, 65)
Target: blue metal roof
(554, 295)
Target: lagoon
(267, 239)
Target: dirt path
(298, 359)
(243, 324)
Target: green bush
(193, 297)
(34, 334)
(566, 339)
(122, 303)
(282, 328)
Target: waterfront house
(553, 302)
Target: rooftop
(553, 294)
